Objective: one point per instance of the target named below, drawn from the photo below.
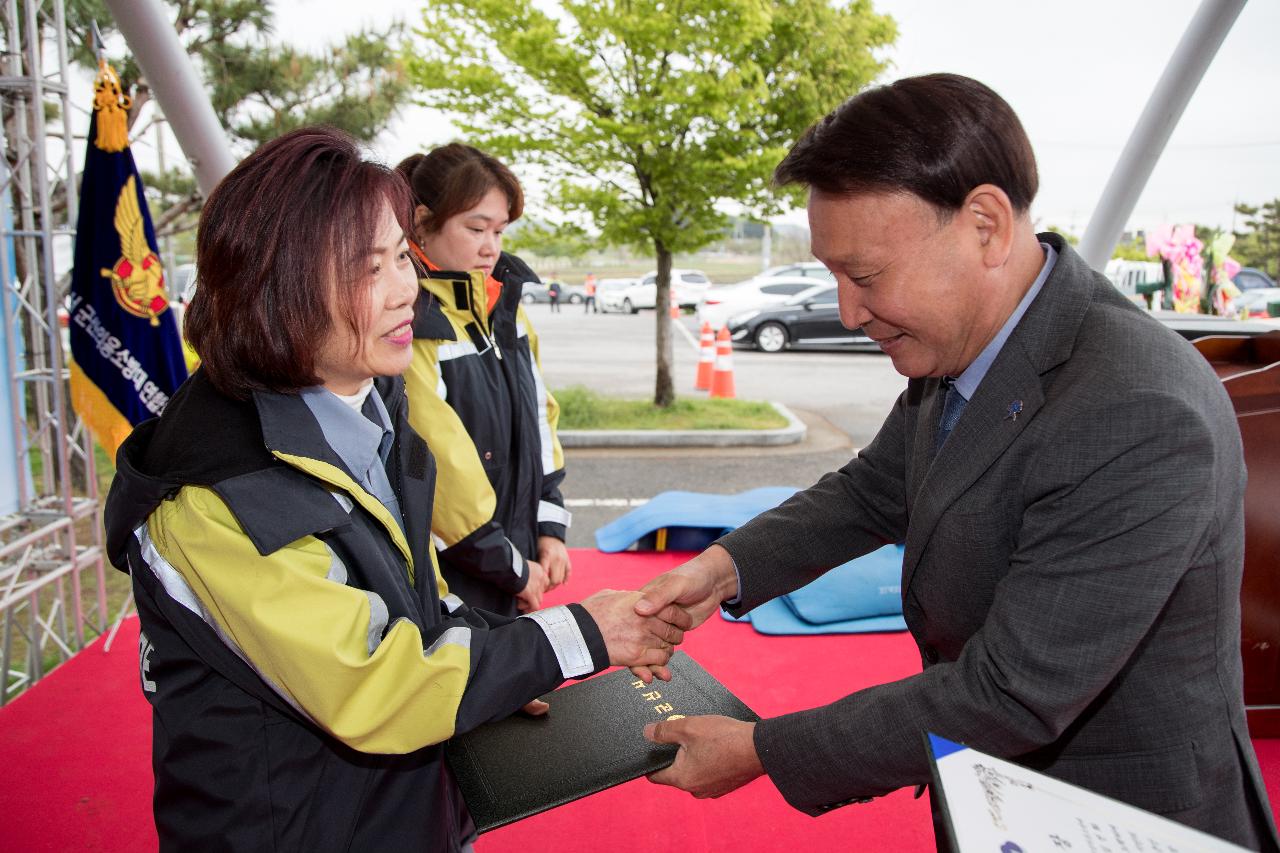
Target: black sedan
(809, 320)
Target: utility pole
(167, 261)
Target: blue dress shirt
(362, 439)
(967, 382)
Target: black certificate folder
(591, 739)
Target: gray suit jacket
(1071, 577)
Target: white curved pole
(1199, 44)
(171, 76)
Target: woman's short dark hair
(286, 232)
(454, 178)
(937, 137)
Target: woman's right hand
(529, 599)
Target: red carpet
(76, 751)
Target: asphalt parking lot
(842, 396)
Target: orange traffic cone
(706, 359)
(675, 311)
(722, 377)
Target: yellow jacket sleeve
(318, 643)
(463, 516)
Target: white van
(1127, 275)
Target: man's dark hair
(937, 137)
(454, 178)
(287, 232)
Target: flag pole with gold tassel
(112, 108)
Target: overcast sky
(1078, 74)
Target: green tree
(533, 235)
(1134, 250)
(647, 115)
(1258, 244)
(259, 88)
(1071, 239)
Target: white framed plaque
(996, 806)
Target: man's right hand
(635, 640)
(698, 586)
(529, 599)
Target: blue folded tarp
(870, 585)
(861, 596)
(686, 521)
(776, 618)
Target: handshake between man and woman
(641, 629)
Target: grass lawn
(584, 409)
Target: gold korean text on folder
(654, 696)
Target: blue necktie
(952, 408)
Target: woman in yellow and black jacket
(303, 658)
(477, 389)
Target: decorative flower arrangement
(1186, 267)
(1222, 269)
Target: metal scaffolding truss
(56, 535)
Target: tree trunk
(141, 95)
(663, 391)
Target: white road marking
(696, 343)
(583, 502)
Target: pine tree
(259, 88)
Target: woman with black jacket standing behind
(477, 389)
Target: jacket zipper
(486, 331)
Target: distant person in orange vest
(589, 286)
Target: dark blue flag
(126, 353)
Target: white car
(182, 284)
(1128, 275)
(687, 286)
(609, 293)
(721, 302)
(808, 269)
(1254, 304)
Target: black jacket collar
(205, 438)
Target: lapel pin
(1015, 409)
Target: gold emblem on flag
(137, 279)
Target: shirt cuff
(737, 599)
(567, 641)
(555, 531)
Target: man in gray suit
(1066, 474)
